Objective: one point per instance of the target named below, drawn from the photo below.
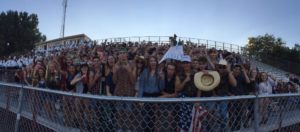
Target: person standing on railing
(68, 106)
(222, 90)
(53, 82)
(95, 107)
(185, 88)
(252, 88)
(82, 82)
(265, 87)
(37, 98)
(151, 84)
(238, 108)
(168, 121)
(124, 86)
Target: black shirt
(223, 88)
(241, 88)
(189, 89)
(169, 86)
(68, 83)
(109, 82)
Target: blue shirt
(150, 83)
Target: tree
(18, 32)
(297, 47)
(272, 50)
(264, 45)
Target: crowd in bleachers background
(133, 69)
(86, 52)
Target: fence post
(280, 117)
(223, 46)
(256, 114)
(5, 74)
(159, 40)
(206, 44)
(20, 102)
(215, 44)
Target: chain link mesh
(8, 107)
(47, 111)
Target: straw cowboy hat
(207, 82)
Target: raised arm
(231, 78)
(76, 79)
(180, 85)
(247, 80)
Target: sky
(231, 21)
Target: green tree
(18, 32)
(272, 50)
(264, 45)
(297, 47)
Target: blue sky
(231, 21)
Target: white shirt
(266, 87)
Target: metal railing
(289, 66)
(7, 75)
(24, 108)
(165, 39)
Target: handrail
(189, 38)
(161, 100)
(163, 39)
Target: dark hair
(172, 64)
(142, 68)
(148, 66)
(212, 50)
(148, 62)
(96, 57)
(202, 59)
(83, 65)
(72, 65)
(107, 61)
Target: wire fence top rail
(150, 99)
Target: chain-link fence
(25, 108)
(7, 75)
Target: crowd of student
(133, 69)
(14, 62)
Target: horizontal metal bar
(187, 38)
(279, 95)
(138, 99)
